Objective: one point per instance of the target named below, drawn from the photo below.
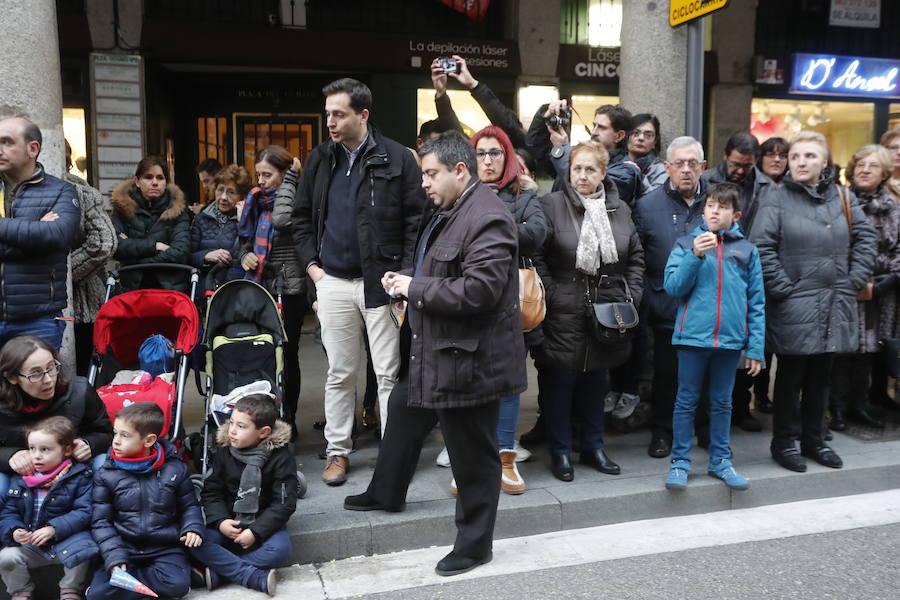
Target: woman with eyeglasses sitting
(32, 388)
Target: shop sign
(769, 72)
(483, 56)
(117, 91)
(585, 62)
(683, 11)
(855, 13)
(846, 76)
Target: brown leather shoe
(336, 468)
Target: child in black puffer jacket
(145, 509)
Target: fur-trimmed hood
(125, 205)
(281, 436)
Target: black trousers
(743, 383)
(850, 381)
(801, 381)
(295, 307)
(471, 438)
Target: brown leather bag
(865, 294)
(531, 297)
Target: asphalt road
(845, 565)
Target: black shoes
(537, 434)
(837, 422)
(749, 423)
(364, 502)
(454, 564)
(825, 456)
(600, 461)
(864, 417)
(789, 458)
(561, 467)
(764, 405)
(660, 447)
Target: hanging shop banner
(855, 13)
(474, 9)
(588, 62)
(845, 76)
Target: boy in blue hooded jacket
(717, 278)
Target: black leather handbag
(614, 323)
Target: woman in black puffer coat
(605, 262)
(214, 234)
(151, 220)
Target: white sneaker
(609, 403)
(443, 459)
(626, 405)
(522, 454)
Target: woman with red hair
(500, 169)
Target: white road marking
(415, 568)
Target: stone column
(536, 27)
(733, 33)
(654, 63)
(31, 87)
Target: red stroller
(122, 325)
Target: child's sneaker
(678, 474)
(211, 578)
(609, 403)
(70, 594)
(626, 405)
(724, 471)
(263, 581)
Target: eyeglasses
(39, 376)
(691, 164)
(781, 155)
(493, 154)
(224, 190)
(647, 134)
(742, 166)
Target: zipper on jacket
(372, 186)
(683, 317)
(3, 280)
(718, 295)
(52, 278)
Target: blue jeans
(506, 425)
(167, 574)
(48, 327)
(694, 365)
(231, 562)
(565, 392)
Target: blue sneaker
(724, 471)
(678, 474)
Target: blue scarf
(141, 464)
(256, 223)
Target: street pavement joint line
(407, 569)
(318, 569)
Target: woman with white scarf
(592, 253)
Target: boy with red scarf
(144, 509)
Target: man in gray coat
(462, 346)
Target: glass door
(298, 133)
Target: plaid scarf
(256, 223)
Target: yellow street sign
(682, 11)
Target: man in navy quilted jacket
(39, 219)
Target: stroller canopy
(128, 319)
(243, 301)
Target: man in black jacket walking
(463, 341)
(355, 216)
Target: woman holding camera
(592, 254)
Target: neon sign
(846, 76)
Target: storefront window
(592, 22)
(76, 134)
(894, 116)
(465, 106)
(846, 125)
(531, 98)
(583, 114)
